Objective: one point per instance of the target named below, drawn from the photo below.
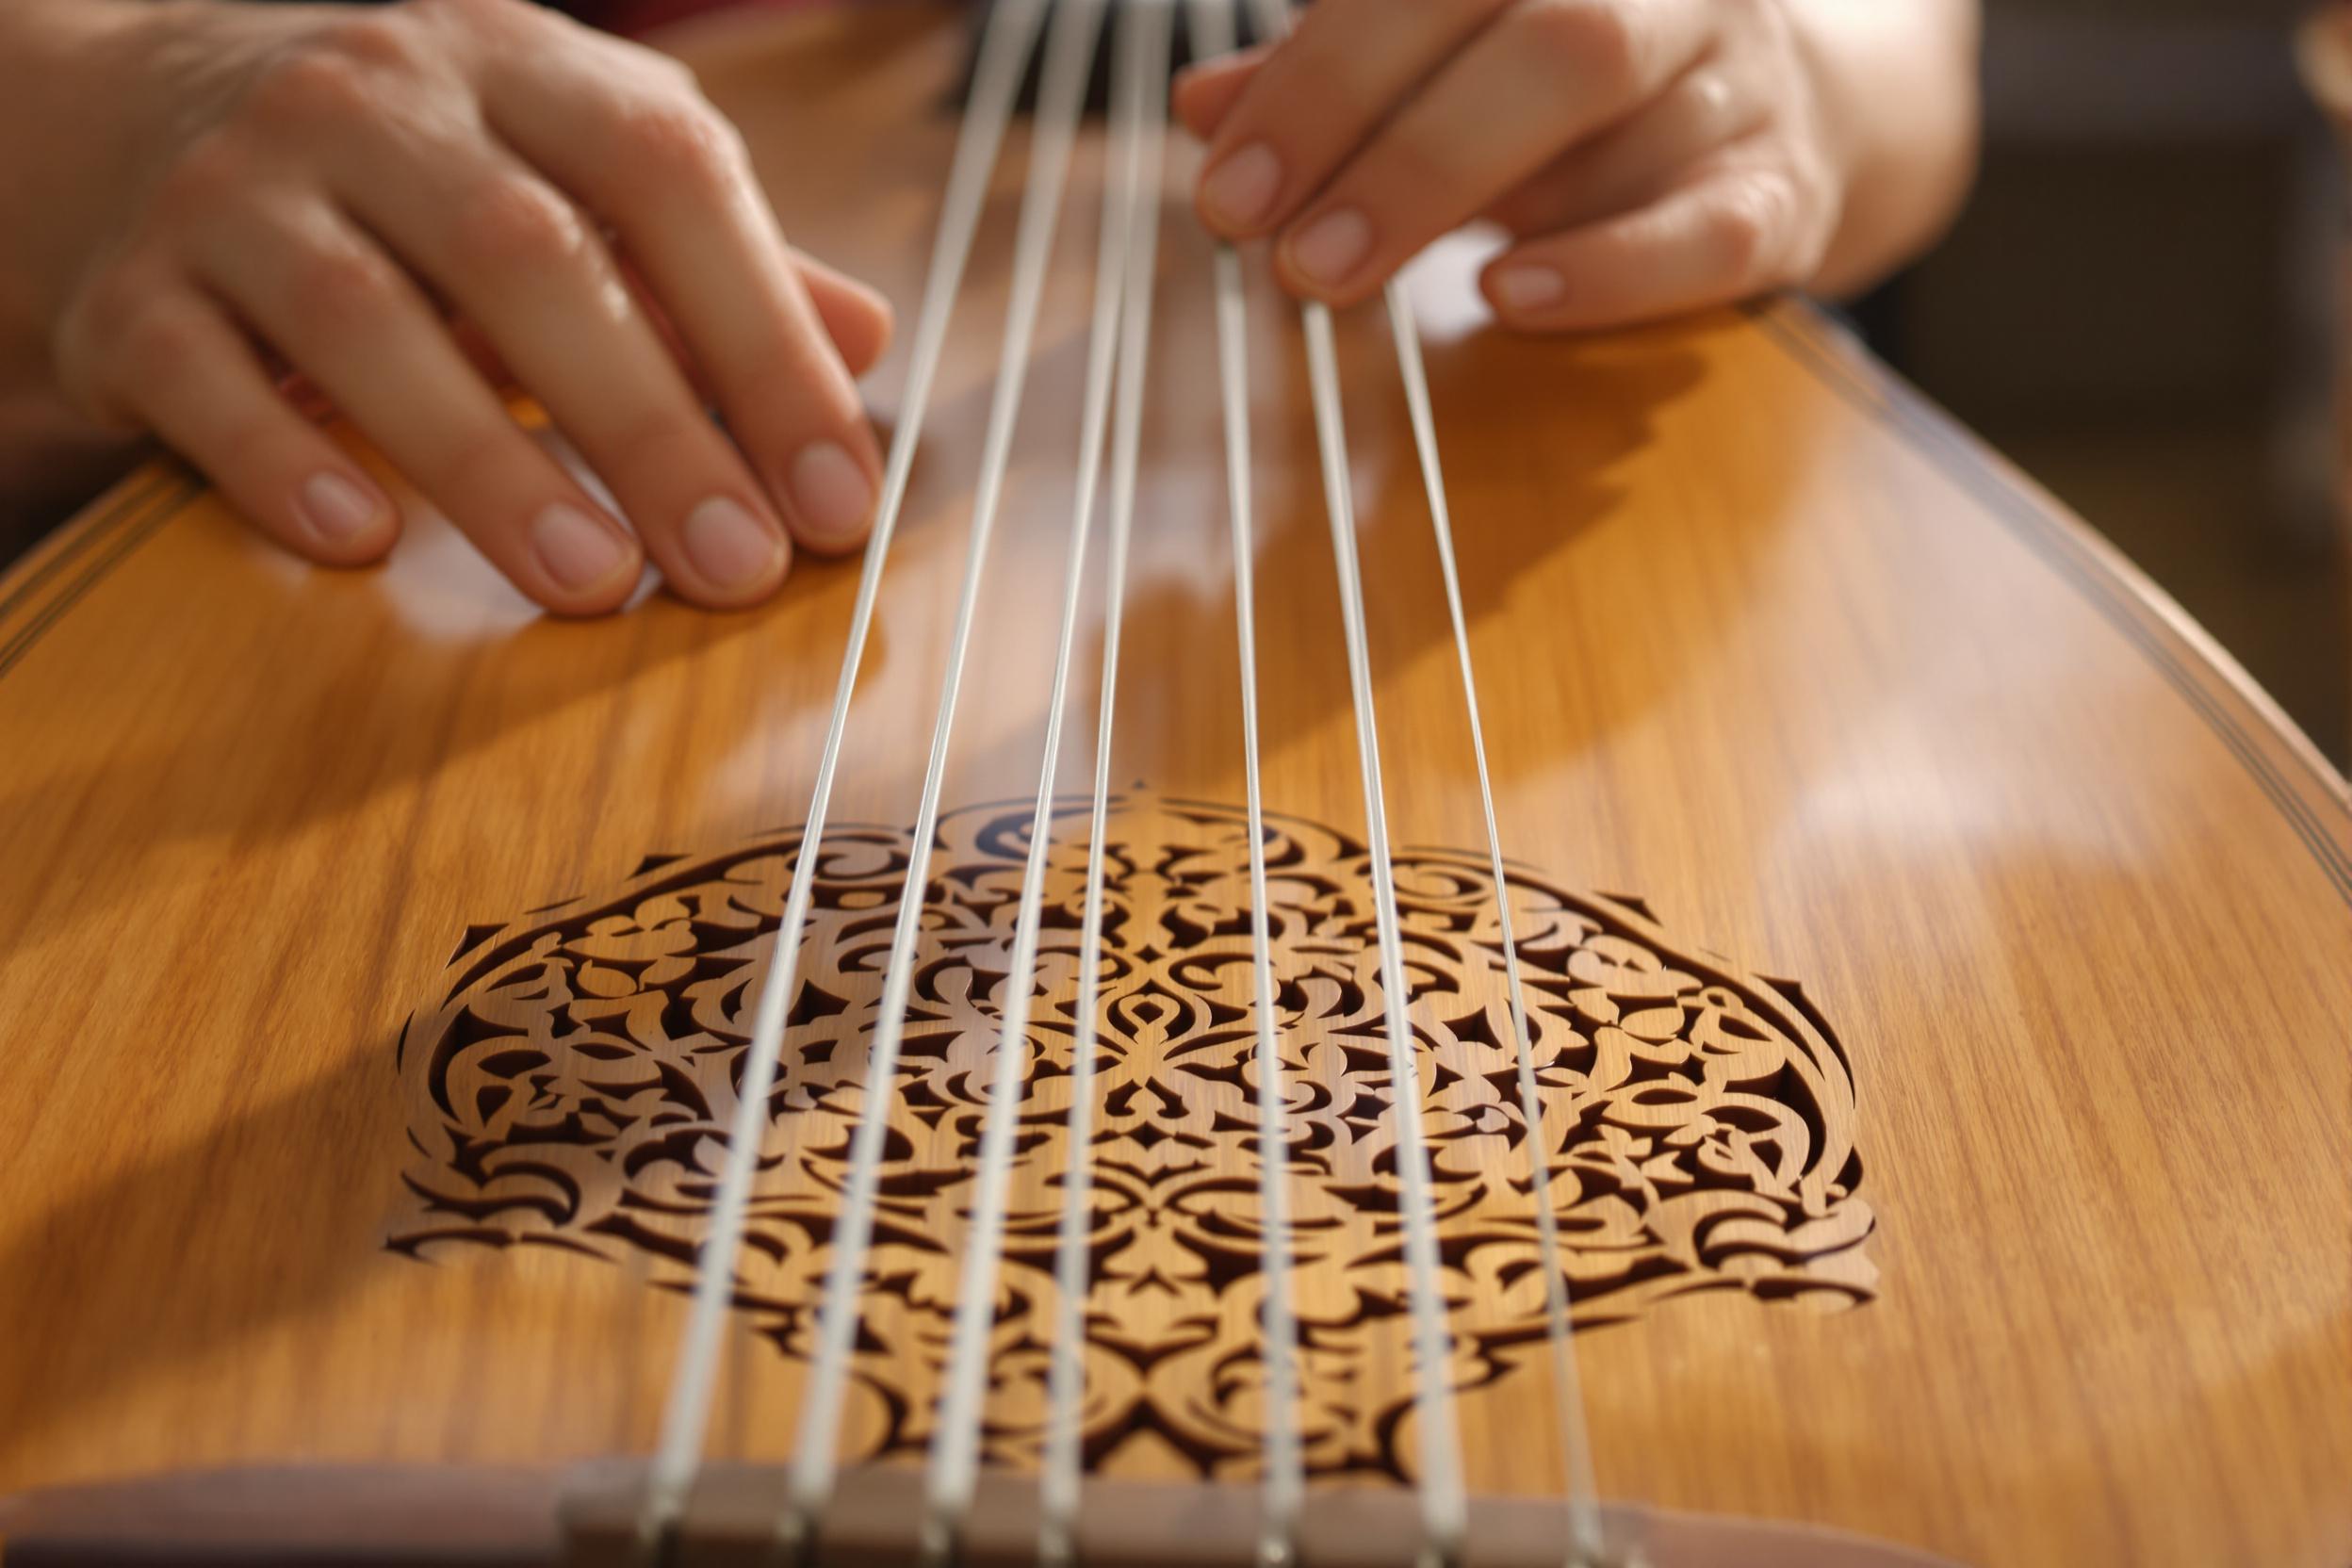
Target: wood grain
(1765, 644)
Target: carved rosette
(572, 1083)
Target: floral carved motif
(572, 1081)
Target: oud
(1358, 941)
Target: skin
(2323, 53)
(409, 206)
(1647, 157)
(213, 214)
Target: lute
(1634, 952)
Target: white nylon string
(814, 1458)
(1286, 1478)
(1124, 272)
(1284, 1484)
(1576, 1445)
(1005, 50)
(954, 1460)
(1442, 1506)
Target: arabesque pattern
(571, 1081)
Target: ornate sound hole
(570, 1082)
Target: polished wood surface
(1769, 649)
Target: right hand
(385, 199)
(2322, 50)
(2324, 54)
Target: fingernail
(339, 509)
(1335, 245)
(730, 546)
(576, 549)
(831, 493)
(1240, 190)
(1528, 287)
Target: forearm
(1897, 84)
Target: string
(1011, 33)
(1055, 128)
(956, 1436)
(1442, 1509)
(1286, 1480)
(1581, 1491)
(1129, 240)
(1010, 37)
(1284, 1483)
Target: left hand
(1650, 157)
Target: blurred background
(2140, 309)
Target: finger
(529, 271)
(1714, 103)
(174, 362)
(332, 303)
(1729, 235)
(1318, 96)
(856, 317)
(672, 179)
(2323, 52)
(1545, 75)
(1205, 93)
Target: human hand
(1649, 157)
(382, 201)
(2323, 48)
(2323, 52)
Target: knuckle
(1593, 40)
(214, 175)
(334, 288)
(310, 88)
(157, 342)
(241, 454)
(1813, 217)
(680, 141)
(656, 442)
(1714, 103)
(480, 16)
(1411, 175)
(514, 223)
(787, 401)
(480, 463)
(1749, 223)
(119, 337)
(673, 71)
(381, 41)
